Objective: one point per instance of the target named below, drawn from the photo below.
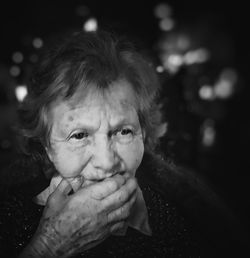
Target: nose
(105, 159)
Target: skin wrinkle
(71, 118)
(57, 237)
(99, 114)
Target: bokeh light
(15, 70)
(162, 10)
(206, 92)
(17, 57)
(21, 92)
(166, 24)
(90, 25)
(160, 69)
(172, 63)
(200, 55)
(37, 42)
(208, 133)
(225, 86)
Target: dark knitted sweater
(173, 232)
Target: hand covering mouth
(80, 181)
(138, 218)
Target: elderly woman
(92, 184)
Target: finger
(58, 196)
(63, 188)
(123, 212)
(75, 182)
(117, 226)
(118, 198)
(103, 189)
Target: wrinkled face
(97, 135)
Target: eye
(79, 139)
(124, 135)
(126, 131)
(79, 136)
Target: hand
(73, 223)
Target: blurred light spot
(206, 92)
(82, 10)
(162, 10)
(229, 74)
(15, 70)
(160, 69)
(21, 92)
(200, 55)
(166, 24)
(17, 57)
(33, 58)
(183, 42)
(223, 89)
(208, 133)
(225, 86)
(173, 62)
(37, 42)
(90, 25)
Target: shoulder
(195, 202)
(172, 232)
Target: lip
(108, 175)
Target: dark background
(220, 26)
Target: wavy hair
(81, 60)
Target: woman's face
(97, 135)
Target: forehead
(119, 96)
(118, 92)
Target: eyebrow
(118, 123)
(122, 122)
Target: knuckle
(123, 196)
(121, 179)
(124, 212)
(113, 185)
(52, 200)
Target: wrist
(37, 248)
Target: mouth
(109, 175)
(81, 182)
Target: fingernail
(76, 182)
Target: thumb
(63, 188)
(57, 198)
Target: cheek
(132, 154)
(69, 162)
